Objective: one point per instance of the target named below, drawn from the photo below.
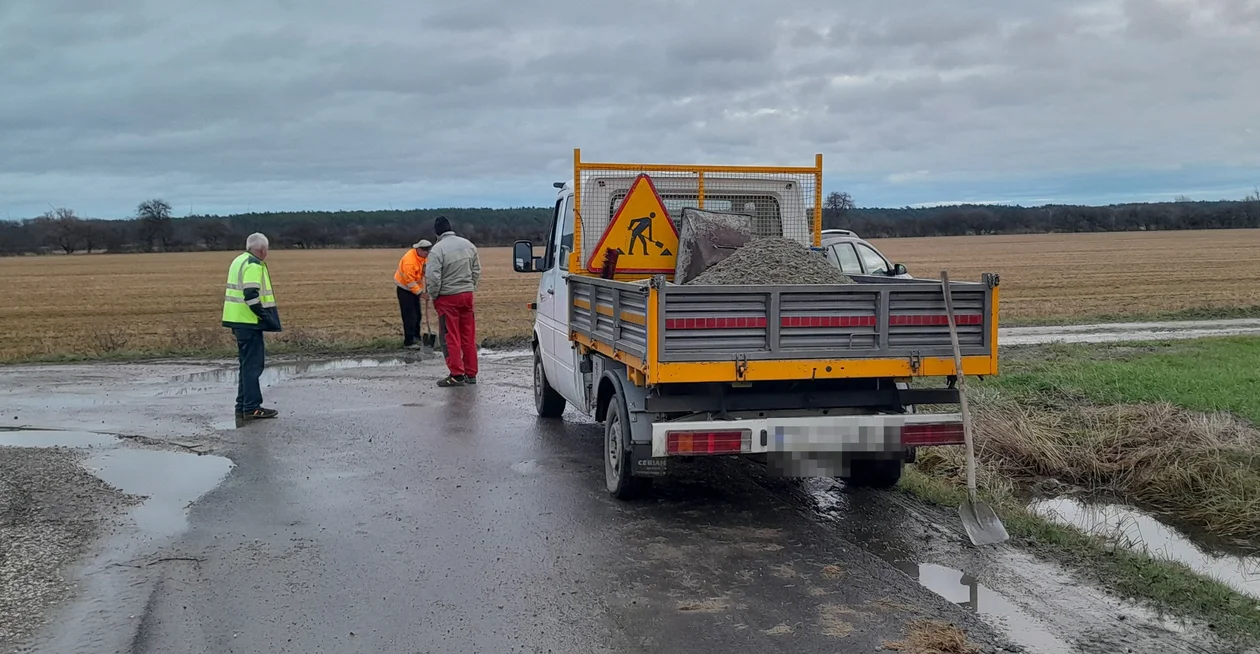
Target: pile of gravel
(772, 261)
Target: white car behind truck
(813, 380)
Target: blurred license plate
(832, 438)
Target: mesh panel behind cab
(780, 205)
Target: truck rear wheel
(874, 473)
(618, 458)
(547, 401)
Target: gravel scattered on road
(772, 261)
(50, 510)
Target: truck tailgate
(719, 333)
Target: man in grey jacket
(450, 278)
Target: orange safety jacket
(410, 273)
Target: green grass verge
(1145, 423)
(1205, 313)
(1210, 374)
(1164, 585)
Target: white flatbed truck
(811, 379)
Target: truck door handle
(551, 291)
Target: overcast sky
(229, 105)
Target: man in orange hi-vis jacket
(410, 281)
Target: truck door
(559, 355)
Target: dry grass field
(100, 305)
(1066, 277)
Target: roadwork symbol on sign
(640, 232)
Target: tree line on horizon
(154, 229)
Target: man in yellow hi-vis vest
(249, 309)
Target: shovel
(982, 524)
(428, 338)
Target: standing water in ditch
(1139, 531)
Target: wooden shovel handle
(962, 386)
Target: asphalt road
(383, 514)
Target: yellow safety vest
(248, 272)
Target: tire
(547, 401)
(874, 473)
(618, 459)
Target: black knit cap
(441, 225)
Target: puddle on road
(170, 480)
(963, 589)
(51, 438)
(1036, 604)
(959, 587)
(496, 355)
(186, 384)
(1143, 532)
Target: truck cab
(556, 358)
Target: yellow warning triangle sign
(641, 233)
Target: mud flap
(644, 463)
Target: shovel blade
(428, 340)
(982, 525)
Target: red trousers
(457, 327)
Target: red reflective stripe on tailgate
(932, 320)
(827, 321)
(715, 323)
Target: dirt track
(1129, 331)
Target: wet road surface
(382, 514)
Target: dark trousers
(457, 327)
(249, 347)
(409, 306)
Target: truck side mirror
(523, 259)
(899, 269)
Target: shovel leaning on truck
(981, 522)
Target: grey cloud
(281, 101)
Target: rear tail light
(924, 434)
(707, 442)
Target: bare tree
(155, 223)
(92, 233)
(65, 229)
(836, 205)
(213, 232)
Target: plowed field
(170, 303)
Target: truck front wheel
(547, 401)
(874, 473)
(618, 459)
